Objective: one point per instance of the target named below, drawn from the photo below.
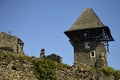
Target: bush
(61, 65)
(117, 74)
(108, 71)
(44, 70)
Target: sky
(41, 24)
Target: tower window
(87, 45)
(92, 54)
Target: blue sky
(41, 23)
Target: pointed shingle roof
(88, 19)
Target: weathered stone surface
(42, 53)
(55, 57)
(9, 43)
(15, 69)
(71, 74)
(83, 57)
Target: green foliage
(107, 71)
(61, 65)
(93, 69)
(21, 58)
(110, 71)
(117, 74)
(44, 69)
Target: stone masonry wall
(82, 74)
(12, 67)
(9, 43)
(94, 56)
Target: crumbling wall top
(9, 43)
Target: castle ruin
(9, 43)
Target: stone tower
(89, 36)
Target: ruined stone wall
(20, 67)
(55, 58)
(92, 56)
(77, 74)
(9, 43)
(12, 67)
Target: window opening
(87, 45)
(92, 54)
